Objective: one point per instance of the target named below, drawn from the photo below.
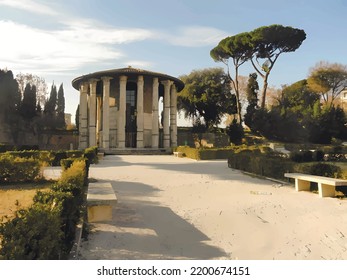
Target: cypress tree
(77, 117)
(28, 106)
(61, 107)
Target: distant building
(67, 119)
(119, 109)
(343, 99)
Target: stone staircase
(134, 151)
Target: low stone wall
(48, 140)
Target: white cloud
(196, 36)
(27, 48)
(139, 64)
(29, 5)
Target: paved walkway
(161, 212)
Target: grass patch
(17, 196)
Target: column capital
(93, 81)
(167, 83)
(106, 79)
(123, 78)
(84, 87)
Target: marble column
(92, 112)
(173, 116)
(83, 117)
(105, 113)
(166, 129)
(139, 112)
(121, 111)
(98, 120)
(155, 114)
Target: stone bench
(178, 154)
(100, 200)
(326, 186)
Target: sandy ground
(177, 208)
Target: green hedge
(206, 153)
(16, 169)
(261, 164)
(54, 158)
(188, 152)
(91, 154)
(320, 169)
(46, 230)
(273, 166)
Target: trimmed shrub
(188, 152)
(6, 147)
(260, 164)
(320, 169)
(43, 156)
(47, 229)
(34, 234)
(235, 132)
(301, 156)
(16, 169)
(91, 154)
(220, 153)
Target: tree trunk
(265, 85)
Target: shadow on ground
(142, 229)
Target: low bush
(205, 153)
(320, 169)
(188, 152)
(34, 234)
(220, 153)
(43, 156)
(307, 156)
(16, 169)
(91, 154)
(47, 229)
(260, 164)
(271, 165)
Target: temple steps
(134, 151)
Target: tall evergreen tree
(61, 108)
(9, 103)
(28, 105)
(77, 117)
(51, 103)
(252, 98)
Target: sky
(61, 40)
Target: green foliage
(238, 49)
(277, 125)
(327, 79)
(34, 234)
(46, 230)
(189, 152)
(206, 95)
(75, 174)
(28, 105)
(77, 117)
(235, 132)
(261, 164)
(262, 46)
(205, 154)
(320, 169)
(42, 156)
(10, 100)
(61, 108)
(307, 156)
(299, 117)
(269, 43)
(91, 154)
(15, 169)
